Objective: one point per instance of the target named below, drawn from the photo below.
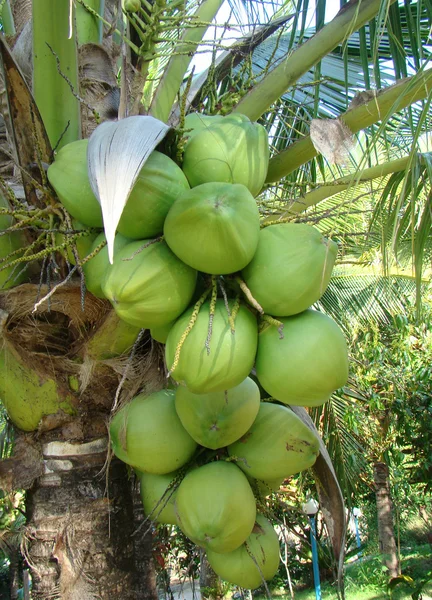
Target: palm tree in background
(365, 73)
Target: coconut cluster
(231, 302)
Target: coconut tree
(66, 359)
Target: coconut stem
(246, 291)
(211, 312)
(144, 246)
(276, 222)
(38, 255)
(225, 297)
(278, 324)
(187, 331)
(183, 139)
(236, 308)
(248, 550)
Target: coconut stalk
(89, 27)
(343, 183)
(380, 108)
(55, 73)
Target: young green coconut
(253, 561)
(277, 445)
(205, 353)
(214, 227)
(148, 285)
(291, 268)
(148, 435)
(229, 149)
(220, 418)
(159, 183)
(308, 364)
(96, 269)
(215, 507)
(158, 495)
(158, 186)
(69, 177)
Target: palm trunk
(142, 541)
(386, 537)
(79, 540)
(59, 371)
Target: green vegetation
(366, 579)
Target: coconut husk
(52, 341)
(19, 303)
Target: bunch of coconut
(231, 300)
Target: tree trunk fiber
(79, 542)
(386, 537)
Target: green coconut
(158, 495)
(196, 122)
(148, 285)
(217, 419)
(253, 561)
(291, 268)
(232, 150)
(265, 488)
(112, 338)
(27, 395)
(96, 269)
(160, 334)
(308, 364)
(214, 227)
(9, 242)
(277, 445)
(69, 177)
(231, 354)
(215, 507)
(158, 185)
(148, 435)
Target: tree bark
(79, 541)
(142, 541)
(386, 537)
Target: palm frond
(364, 298)
(277, 80)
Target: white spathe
(116, 153)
